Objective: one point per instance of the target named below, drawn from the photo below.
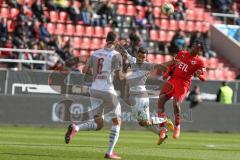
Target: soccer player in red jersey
(189, 64)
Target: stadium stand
(79, 27)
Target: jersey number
(100, 65)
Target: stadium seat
(190, 14)
(199, 15)
(162, 36)
(198, 26)
(77, 42)
(164, 24)
(190, 26)
(106, 30)
(86, 43)
(11, 25)
(70, 30)
(60, 29)
(157, 12)
(63, 16)
(211, 75)
(212, 63)
(121, 9)
(181, 25)
(159, 58)
(131, 10)
(206, 26)
(14, 13)
(96, 44)
(89, 31)
(76, 53)
(79, 30)
(4, 12)
(154, 35)
(156, 3)
(173, 25)
(151, 58)
(51, 28)
(54, 16)
(99, 31)
(169, 36)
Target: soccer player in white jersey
(138, 96)
(104, 64)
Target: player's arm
(88, 67)
(118, 67)
(201, 72)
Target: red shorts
(175, 88)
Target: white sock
(154, 128)
(90, 125)
(114, 134)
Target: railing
(226, 17)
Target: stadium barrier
(46, 111)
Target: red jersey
(187, 66)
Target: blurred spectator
(3, 32)
(51, 5)
(150, 18)
(223, 6)
(13, 3)
(141, 2)
(86, 12)
(194, 97)
(178, 14)
(37, 9)
(44, 34)
(207, 52)
(178, 43)
(225, 94)
(135, 44)
(74, 11)
(61, 5)
(106, 12)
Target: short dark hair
(111, 37)
(143, 50)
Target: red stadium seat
(131, 10)
(154, 35)
(157, 12)
(156, 2)
(79, 30)
(199, 26)
(106, 30)
(173, 25)
(121, 9)
(89, 31)
(151, 58)
(212, 63)
(164, 24)
(190, 26)
(51, 28)
(206, 26)
(190, 14)
(199, 15)
(170, 36)
(211, 75)
(181, 25)
(96, 44)
(76, 53)
(167, 58)
(14, 13)
(159, 58)
(11, 25)
(77, 41)
(70, 30)
(54, 16)
(60, 29)
(4, 12)
(99, 31)
(63, 16)
(86, 43)
(162, 36)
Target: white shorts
(110, 105)
(140, 108)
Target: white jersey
(104, 62)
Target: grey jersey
(104, 62)
(139, 75)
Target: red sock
(177, 118)
(161, 115)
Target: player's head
(224, 83)
(111, 38)
(197, 47)
(141, 54)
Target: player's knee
(144, 123)
(99, 122)
(116, 121)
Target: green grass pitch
(19, 143)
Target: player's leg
(161, 114)
(177, 117)
(115, 113)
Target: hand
(198, 72)
(175, 61)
